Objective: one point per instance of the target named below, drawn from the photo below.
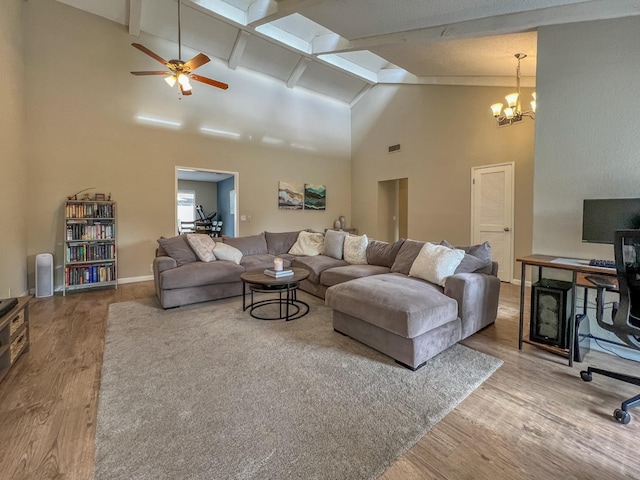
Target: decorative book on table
(277, 273)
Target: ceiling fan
(180, 72)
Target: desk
(579, 268)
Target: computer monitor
(602, 217)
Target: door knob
(507, 229)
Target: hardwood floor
(532, 419)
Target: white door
(492, 213)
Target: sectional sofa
(378, 299)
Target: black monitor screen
(601, 218)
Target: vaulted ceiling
(340, 48)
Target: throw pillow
(435, 263)
(406, 256)
(355, 249)
(308, 243)
(178, 248)
(477, 258)
(334, 243)
(202, 245)
(281, 242)
(222, 251)
(249, 245)
(383, 253)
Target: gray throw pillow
(179, 249)
(250, 245)
(278, 243)
(477, 258)
(333, 243)
(383, 253)
(406, 255)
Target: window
(186, 206)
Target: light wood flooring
(532, 419)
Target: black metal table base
(289, 307)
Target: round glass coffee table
(289, 307)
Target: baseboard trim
(517, 282)
(144, 278)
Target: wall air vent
(394, 148)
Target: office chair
(626, 318)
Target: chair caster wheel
(621, 416)
(586, 376)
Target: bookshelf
(90, 245)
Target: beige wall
(83, 133)
(14, 209)
(587, 142)
(444, 131)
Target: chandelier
(513, 112)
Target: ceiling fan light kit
(513, 112)
(180, 72)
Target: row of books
(277, 273)
(89, 253)
(90, 210)
(97, 231)
(89, 274)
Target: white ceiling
(340, 48)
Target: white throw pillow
(308, 243)
(202, 245)
(355, 249)
(435, 263)
(222, 251)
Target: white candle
(277, 264)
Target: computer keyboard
(602, 263)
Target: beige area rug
(207, 392)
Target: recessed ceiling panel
(331, 82)
(478, 57)
(301, 27)
(265, 57)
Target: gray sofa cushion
(477, 258)
(179, 249)
(251, 245)
(334, 243)
(201, 273)
(279, 243)
(383, 253)
(403, 305)
(316, 265)
(406, 255)
(336, 275)
(255, 262)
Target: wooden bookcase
(90, 245)
(14, 335)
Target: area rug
(207, 392)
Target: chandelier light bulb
(171, 81)
(512, 99)
(508, 112)
(183, 80)
(533, 106)
(496, 108)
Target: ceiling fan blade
(151, 73)
(208, 81)
(183, 91)
(196, 62)
(144, 49)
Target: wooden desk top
(565, 263)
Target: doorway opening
(393, 207)
(209, 193)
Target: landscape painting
(315, 197)
(290, 195)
